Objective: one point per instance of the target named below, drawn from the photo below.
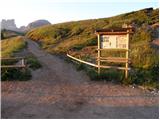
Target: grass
(105, 75)
(12, 45)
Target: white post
(23, 62)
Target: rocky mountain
(38, 23)
(35, 24)
(10, 25)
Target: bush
(78, 47)
(106, 75)
(145, 77)
(15, 74)
(144, 56)
(80, 66)
(92, 42)
(33, 63)
(76, 30)
(141, 34)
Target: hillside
(80, 38)
(12, 45)
(71, 34)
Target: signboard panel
(113, 41)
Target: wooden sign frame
(114, 32)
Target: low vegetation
(33, 63)
(79, 37)
(9, 74)
(12, 45)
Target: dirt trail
(57, 90)
(56, 69)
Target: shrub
(143, 55)
(141, 34)
(33, 63)
(15, 74)
(145, 77)
(91, 42)
(78, 47)
(106, 75)
(76, 30)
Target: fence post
(99, 52)
(127, 56)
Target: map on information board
(113, 41)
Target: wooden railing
(21, 61)
(94, 65)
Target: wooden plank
(115, 67)
(115, 61)
(112, 33)
(113, 49)
(11, 58)
(13, 66)
(113, 58)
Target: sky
(57, 11)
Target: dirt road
(59, 91)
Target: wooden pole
(99, 52)
(23, 62)
(127, 56)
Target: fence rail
(94, 65)
(20, 65)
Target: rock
(9, 25)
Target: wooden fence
(94, 65)
(20, 64)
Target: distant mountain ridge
(10, 25)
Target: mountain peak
(9, 24)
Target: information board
(113, 41)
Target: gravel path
(59, 91)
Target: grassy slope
(79, 35)
(11, 45)
(68, 35)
